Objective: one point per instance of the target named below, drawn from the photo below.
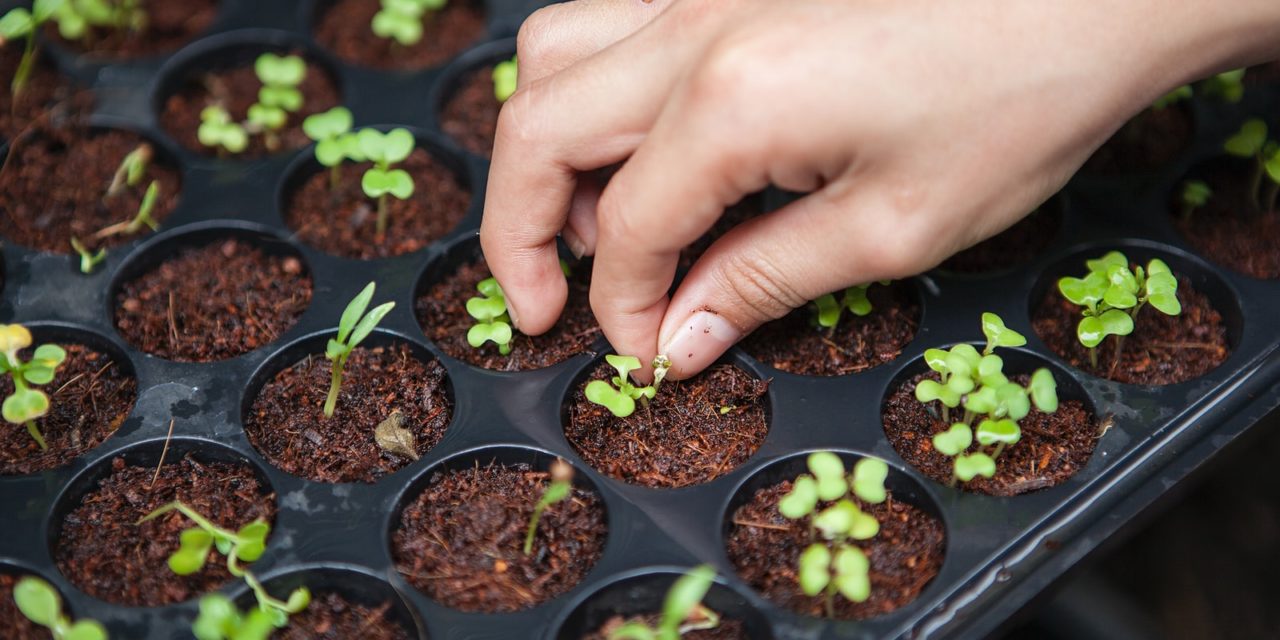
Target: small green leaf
(624, 365)
(852, 578)
(603, 394)
(953, 441)
(486, 309)
(404, 29)
(869, 475)
(397, 145)
(329, 152)
(936, 359)
(505, 76)
(1004, 431)
(801, 500)
(1166, 303)
(298, 600)
(837, 520)
(268, 117)
(991, 371)
(85, 630)
(498, 332)
(37, 600)
(369, 322)
(16, 24)
(1044, 390)
(966, 354)
(828, 471)
(1013, 401)
(1110, 259)
(998, 335)
(354, 310)
(273, 69)
(1093, 330)
(24, 405)
(982, 401)
(1247, 142)
(930, 390)
(864, 526)
(855, 300)
(815, 569)
(828, 311)
(684, 596)
(328, 125)
(218, 617)
(970, 466)
(187, 560)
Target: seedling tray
(1000, 552)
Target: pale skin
(917, 127)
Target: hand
(918, 127)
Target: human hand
(918, 127)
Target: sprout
(1252, 142)
(331, 131)
(1195, 194)
(131, 170)
(493, 323)
(854, 299)
(620, 397)
(76, 16)
(682, 610)
(219, 619)
(23, 23)
(279, 95)
(401, 20)
(140, 219)
(1173, 97)
(560, 488)
(968, 467)
(1228, 85)
(385, 150)
(353, 327)
(1112, 295)
(505, 74)
(41, 604)
(88, 260)
(218, 131)
(26, 404)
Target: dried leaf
(394, 438)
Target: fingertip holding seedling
(505, 76)
(40, 603)
(682, 610)
(559, 489)
(353, 327)
(1111, 295)
(619, 395)
(26, 404)
(382, 179)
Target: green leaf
(282, 98)
(930, 390)
(401, 185)
(815, 569)
(397, 145)
(86, 630)
(828, 470)
(852, 578)
(936, 359)
(1003, 431)
(991, 371)
(1166, 303)
(1196, 193)
(967, 354)
(624, 365)
(218, 617)
(186, 561)
(1111, 259)
(377, 182)
(278, 70)
(960, 383)
(505, 76)
(828, 311)
(982, 401)
(16, 24)
(354, 310)
(1085, 292)
(836, 521)
(298, 600)
(684, 596)
(855, 300)
(260, 623)
(868, 480)
(486, 309)
(24, 405)
(328, 125)
(489, 287)
(1013, 401)
(498, 332)
(369, 322)
(1247, 142)
(350, 143)
(864, 527)
(268, 117)
(603, 394)
(953, 441)
(973, 465)
(329, 152)
(1272, 165)
(1093, 330)
(998, 335)
(1044, 391)
(801, 500)
(404, 29)
(37, 600)
(255, 531)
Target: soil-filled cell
(1150, 140)
(345, 28)
(159, 26)
(1238, 225)
(470, 115)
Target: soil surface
(1230, 230)
(470, 114)
(344, 29)
(236, 89)
(796, 344)
(746, 209)
(47, 94)
(54, 188)
(170, 25)
(16, 626)
(442, 313)
(344, 222)
(685, 436)
(213, 302)
(1162, 349)
(333, 617)
(1016, 246)
(1150, 140)
(1266, 73)
(102, 550)
(1054, 446)
(288, 426)
(89, 399)
(905, 555)
(726, 630)
(461, 541)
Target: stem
(25, 66)
(333, 178)
(533, 527)
(335, 382)
(382, 216)
(830, 602)
(1256, 186)
(265, 601)
(1272, 195)
(35, 433)
(1093, 357)
(999, 450)
(946, 414)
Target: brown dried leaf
(391, 435)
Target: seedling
(1173, 97)
(218, 131)
(401, 20)
(131, 170)
(279, 95)
(41, 604)
(854, 299)
(24, 23)
(1228, 85)
(75, 17)
(1111, 295)
(381, 180)
(331, 132)
(26, 404)
(88, 260)
(505, 74)
(493, 323)
(141, 219)
(1195, 194)
(1252, 142)
(353, 327)
(620, 396)
(220, 619)
(682, 610)
(560, 488)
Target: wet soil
(1232, 229)
(344, 28)
(470, 115)
(333, 617)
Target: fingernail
(699, 341)
(576, 246)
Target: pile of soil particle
(236, 89)
(54, 188)
(796, 344)
(1054, 446)
(344, 29)
(1230, 229)
(1016, 246)
(333, 617)
(213, 302)
(343, 222)
(442, 313)
(692, 432)
(48, 96)
(89, 398)
(744, 210)
(16, 626)
(470, 115)
(905, 555)
(726, 630)
(288, 426)
(103, 550)
(169, 26)
(1150, 140)
(461, 541)
(1161, 350)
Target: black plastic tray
(1000, 552)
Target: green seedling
(25, 23)
(89, 260)
(141, 219)
(26, 403)
(279, 95)
(493, 323)
(505, 75)
(962, 368)
(682, 610)
(401, 20)
(1173, 97)
(853, 299)
(1228, 86)
(219, 132)
(973, 465)
(77, 17)
(131, 170)
(1195, 194)
(41, 604)
(353, 327)
(1251, 141)
(220, 619)
(620, 396)
(559, 489)
(381, 180)
(334, 140)
(1112, 294)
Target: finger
(580, 230)
(557, 36)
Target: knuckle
(516, 119)
(537, 37)
(613, 223)
(730, 70)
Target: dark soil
(288, 426)
(170, 25)
(89, 399)
(344, 29)
(746, 209)
(213, 302)
(54, 187)
(45, 88)
(1266, 73)
(102, 550)
(470, 114)
(461, 541)
(681, 438)
(1162, 349)
(236, 89)
(1229, 229)
(16, 626)
(1013, 247)
(726, 630)
(1150, 140)
(344, 222)
(332, 617)
(796, 344)
(905, 555)
(1054, 446)
(442, 312)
